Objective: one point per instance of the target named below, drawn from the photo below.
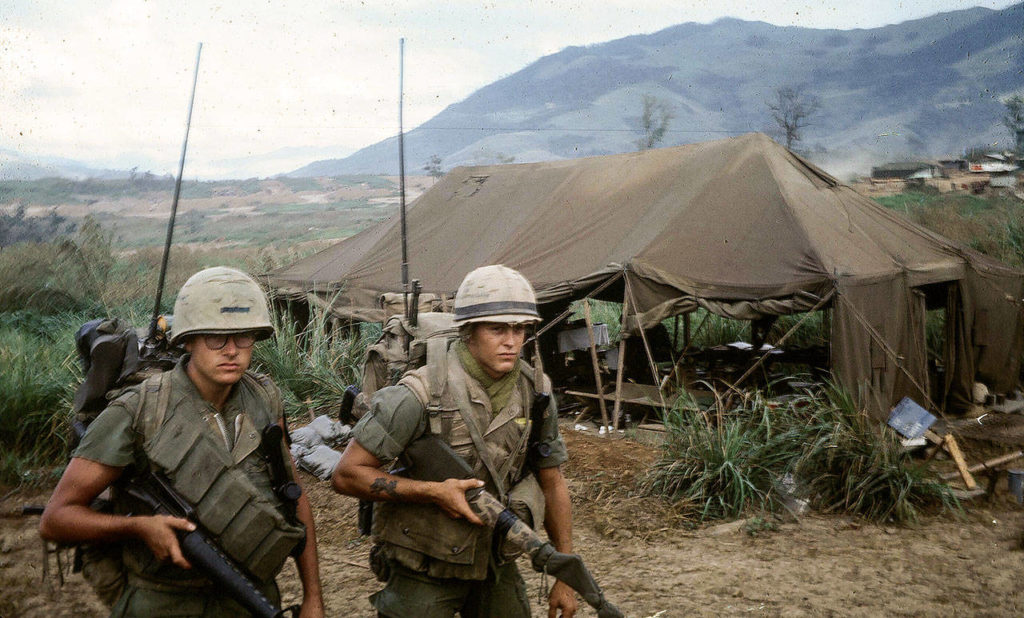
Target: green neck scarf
(498, 390)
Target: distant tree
(977, 152)
(791, 112)
(17, 227)
(433, 167)
(1014, 120)
(655, 119)
(504, 159)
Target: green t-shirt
(110, 438)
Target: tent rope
(894, 357)
(821, 302)
(643, 337)
(570, 310)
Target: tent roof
(738, 219)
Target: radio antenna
(151, 338)
(401, 178)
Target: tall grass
(312, 365)
(853, 465)
(990, 225)
(36, 385)
(729, 461)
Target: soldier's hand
(561, 598)
(451, 497)
(158, 532)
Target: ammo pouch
(102, 567)
(379, 565)
(427, 530)
(242, 518)
(526, 501)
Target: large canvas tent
(741, 227)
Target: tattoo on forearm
(382, 485)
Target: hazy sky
(107, 82)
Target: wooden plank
(986, 465)
(954, 451)
(639, 394)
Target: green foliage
(757, 526)
(36, 385)
(81, 273)
(312, 365)
(726, 463)
(655, 117)
(17, 228)
(994, 226)
(1014, 118)
(601, 312)
(729, 460)
(433, 166)
(853, 466)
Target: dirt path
(650, 566)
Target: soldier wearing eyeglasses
(200, 425)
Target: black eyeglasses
(218, 341)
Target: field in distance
(240, 213)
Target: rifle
(429, 458)
(156, 492)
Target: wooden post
(647, 349)
(617, 409)
(597, 368)
(954, 451)
(985, 465)
(686, 331)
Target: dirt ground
(648, 562)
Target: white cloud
(106, 81)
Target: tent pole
(647, 347)
(597, 368)
(675, 333)
(616, 410)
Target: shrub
(853, 465)
(36, 386)
(728, 461)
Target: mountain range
(929, 87)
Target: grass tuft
(730, 461)
(312, 365)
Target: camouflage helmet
(495, 294)
(220, 300)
